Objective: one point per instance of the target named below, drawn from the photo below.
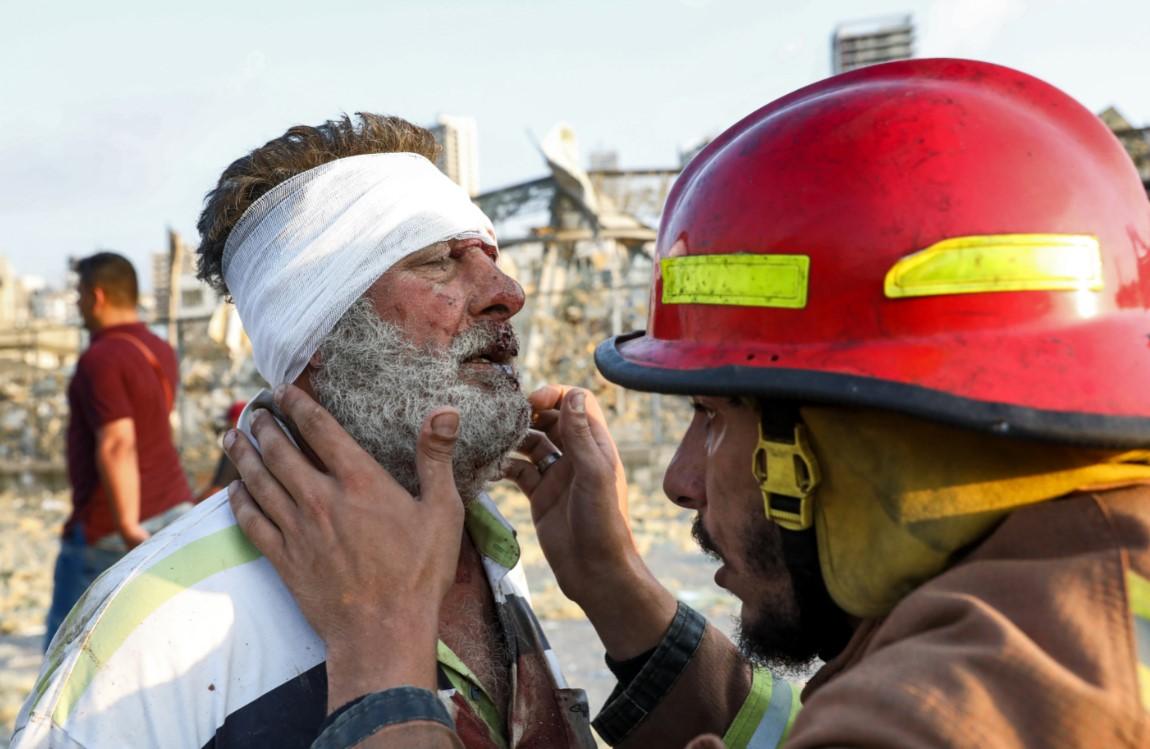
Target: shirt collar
(491, 533)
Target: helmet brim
(812, 386)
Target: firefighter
(912, 302)
(910, 305)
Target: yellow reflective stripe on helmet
(766, 715)
(999, 262)
(737, 280)
(1138, 589)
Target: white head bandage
(306, 250)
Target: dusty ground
(29, 523)
(29, 526)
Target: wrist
(133, 534)
(359, 666)
(632, 614)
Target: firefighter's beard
(380, 387)
(786, 625)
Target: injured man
(368, 279)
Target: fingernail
(229, 439)
(445, 425)
(577, 401)
(278, 393)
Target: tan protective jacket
(1039, 637)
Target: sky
(117, 116)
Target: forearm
(631, 612)
(385, 696)
(118, 466)
(362, 665)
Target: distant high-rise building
(458, 138)
(13, 296)
(860, 43)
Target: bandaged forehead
(306, 250)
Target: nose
(685, 482)
(498, 296)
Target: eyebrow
(465, 244)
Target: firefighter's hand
(579, 507)
(367, 562)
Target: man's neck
(113, 317)
(469, 626)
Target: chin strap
(785, 467)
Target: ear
(303, 382)
(99, 298)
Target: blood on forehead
(459, 245)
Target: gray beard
(380, 387)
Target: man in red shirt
(125, 474)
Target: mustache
(493, 340)
(704, 540)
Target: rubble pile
(211, 380)
(33, 415)
(564, 321)
(29, 527)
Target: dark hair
(299, 149)
(111, 272)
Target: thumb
(433, 455)
(575, 428)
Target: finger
(524, 473)
(330, 442)
(587, 443)
(597, 451)
(433, 456)
(536, 446)
(527, 477)
(598, 424)
(575, 428)
(259, 529)
(260, 485)
(548, 397)
(543, 420)
(265, 401)
(306, 484)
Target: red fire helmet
(947, 238)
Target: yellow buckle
(787, 474)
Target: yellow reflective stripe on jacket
(766, 716)
(1139, 591)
